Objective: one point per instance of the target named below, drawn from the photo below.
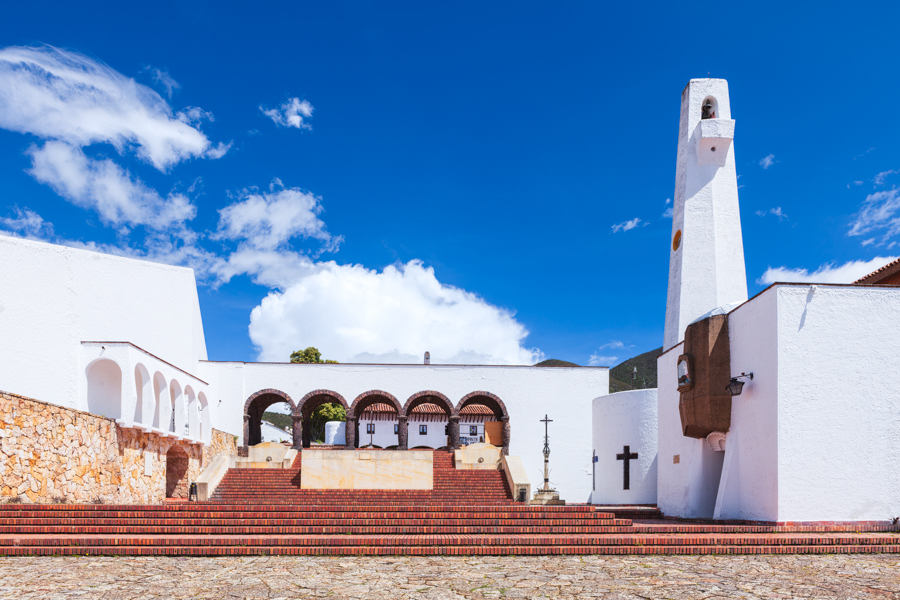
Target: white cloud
(767, 161)
(162, 77)
(668, 213)
(827, 273)
(60, 95)
(773, 211)
(879, 178)
(597, 360)
(105, 187)
(27, 223)
(612, 344)
(626, 225)
(354, 314)
(291, 114)
(879, 212)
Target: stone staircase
(468, 513)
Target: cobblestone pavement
(785, 576)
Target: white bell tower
(706, 264)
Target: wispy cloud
(879, 212)
(827, 273)
(292, 113)
(773, 211)
(767, 161)
(626, 225)
(880, 178)
(27, 223)
(162, 78)
(863, 154)
(668, 212)
(599, 360)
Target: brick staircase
(468, 513)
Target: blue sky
(465, 167)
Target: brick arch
(365, 399)
(493, 400)
(423, 398)
(333, 395)
(268, 391)
(309, 403)
(253, 411)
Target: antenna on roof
(428, 358)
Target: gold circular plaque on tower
(676, 241)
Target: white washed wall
(625, 419)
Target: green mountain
(620, 377)
(279, 420)
(553, 362)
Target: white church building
(779, 408)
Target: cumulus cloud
(292, 113)
(767, 161)
(354, 314)
(626, 225)
(105, 187)
(60, 95)
(827, 273)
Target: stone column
(453, 442)
(351, 433)
(402, 433)
(246, 430)
(297, 431)
(506, 435)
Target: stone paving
(791, 576)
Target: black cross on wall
(627, 456)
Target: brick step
(185, 530)
(589, 540)
(241, 550)
(325, 522)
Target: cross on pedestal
(627, 455)
(546, 421)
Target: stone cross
(546, 421)
(627, 455)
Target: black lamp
(736, 385)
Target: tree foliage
(309, 356)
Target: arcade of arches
(415, 407)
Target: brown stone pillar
(351, 433)
(246, 430)
(506, 435)
(402, 433)
(297, 431)
(453, 442)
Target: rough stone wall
(49, 453)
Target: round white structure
(335, 433)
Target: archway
(161, 398)
(176, 400)
(430, 409)
(143, 398)
(104, 389)
(254, 408)
(176, 473)
(471, 404)
(308, 405)
(387, 404)
(205, 419)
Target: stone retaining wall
(50, 453)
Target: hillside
(620, 376)
(278, 420)
(554, 362)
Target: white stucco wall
(748, 488)
(565, 394)
(707, 269)
(625, 419)
(270, 433)
(52, 298)
(687, 488)
(838, 403)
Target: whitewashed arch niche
(709, 108)
(163, 412)
(205, 419)
(144, 401)
(104, 388)
(177, 420)
(193, 413)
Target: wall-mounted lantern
(192, 494)
(736, 385)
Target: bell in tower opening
(709, 109)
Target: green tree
(323, 414)
(310, 356)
